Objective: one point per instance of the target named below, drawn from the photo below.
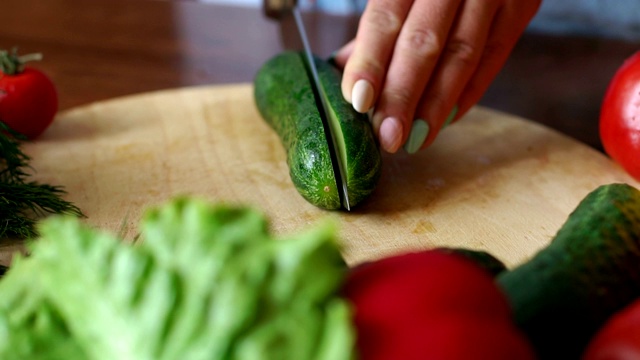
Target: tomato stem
(12, 64)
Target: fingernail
(362, 96)
(451, 116)
(419, 132)
(390, 134)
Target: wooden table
(100, 49)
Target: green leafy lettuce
(205, 282)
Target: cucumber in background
(590, 270)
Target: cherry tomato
(28, 98)
(620, 117)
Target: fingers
(415, 56)
(480, 44)
(510, 23)
(458, 62)
(424, 63)
(377, 32)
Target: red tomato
(28, 101)
(619, 338)
(431, 305)
(620, 117)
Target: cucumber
(483, 259)
(285, 99)
(590, 270)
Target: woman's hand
(423, 63)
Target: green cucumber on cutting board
(284, 96)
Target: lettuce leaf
(205, 282)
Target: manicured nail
(390, 134)
(362, 96)
(419, 132)
(451, 116)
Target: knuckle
(362, 66)
(401, 98)
(496, 50)
(383, 20)
(463, 52)
(424, 42)
(367, 67)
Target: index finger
(377, 33)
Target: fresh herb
(24, 202)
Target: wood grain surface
(492, 181)
(100, 49)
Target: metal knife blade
(294, 36)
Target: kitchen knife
(294, 37)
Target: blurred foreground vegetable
(205, 283)
(620, 117)
(435, 304)
(619, 338)
(589, 271)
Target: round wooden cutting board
(491, 181)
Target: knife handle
(274, 9)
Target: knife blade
(294, 37)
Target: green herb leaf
(23, 202)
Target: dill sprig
(23, 202)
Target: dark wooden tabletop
(101, 49)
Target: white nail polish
(362, 96)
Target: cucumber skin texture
(284, 97)
(590, 270)
(483, 259)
